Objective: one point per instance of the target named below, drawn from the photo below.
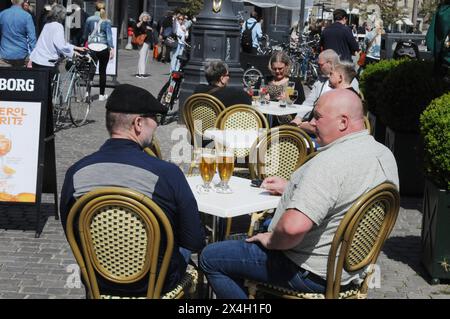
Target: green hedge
(371, 82)
(435, 129)
(406, 91)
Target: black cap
(131, 99)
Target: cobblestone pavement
(42, 267)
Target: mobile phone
(256, 182)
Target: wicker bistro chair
(200, 112)
(154, 149)
(119, 233)
(280, 152)
(367, 125)
(244, 117)
(359, 239)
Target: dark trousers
(53, 70)
(102, 57)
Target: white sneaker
(103, 97)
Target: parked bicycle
(169, 93)
(71, 91)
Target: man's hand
(274, 184)
(297, 121)
(263, 238)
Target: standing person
(27, 7)
(338, 37)
(144, 26)
(180, 32)
(294, 252)
(373, 43)
(251, 33)
(44, 14)
(78, 22)
(51, 43)
(165, 31)
(17, 35)
(131, 121)
(98, 33)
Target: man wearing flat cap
(131, 120)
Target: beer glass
(225, 166)
(207, 167)
(293, 97)
(255, 97)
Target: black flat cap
(131, 99)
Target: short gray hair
(118, 121)
(330, 56)
(347, 69)
(57, 14)
(214, 70)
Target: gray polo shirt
(326, 187)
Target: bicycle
(170, 92)
(71, 91)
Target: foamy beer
(207, 167)
(225, 165)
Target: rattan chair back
(120, 232)
(242, 117)
(361, 234)
(367, 125)
(280, 152)
(154, 149)
(200, 112)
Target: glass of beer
(207, 167)
(256, 96)
(288, 92)
(293, 96)
(225, 166)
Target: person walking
(17, 35)
(251, 33)
(98, 34)
(144, 26)
(338, 37)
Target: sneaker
(139, 76)
(103, 97)
(144, 76)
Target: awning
(284, 4)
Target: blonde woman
(98, 34)
(373, 43)
(144, 26)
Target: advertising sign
(19, 150)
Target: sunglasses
(156, 117)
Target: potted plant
(406, 92)
(435, 129)
(371, 85)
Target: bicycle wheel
(312, 75)
(163, 94)
(251, 76)
(79, 101)
(57, 103)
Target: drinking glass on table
(256, 96)
(225, 166)
(293, 96)
(207, 167)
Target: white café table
(245, 199)
(233, 138)
(273, 108)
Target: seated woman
(217, 75)
(280, 66)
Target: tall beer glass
(207, 167)
(225, 165)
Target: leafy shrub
(406, 92)
(371, 81)
(435, 129)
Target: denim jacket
(17, 33)
(105, 34)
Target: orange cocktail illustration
(5, 147)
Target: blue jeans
(174, 62)
(227, 264)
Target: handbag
(171, 41)
(362, 58)
(138, 40)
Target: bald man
(294, 251)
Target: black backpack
(406, 49)
(246, 39)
